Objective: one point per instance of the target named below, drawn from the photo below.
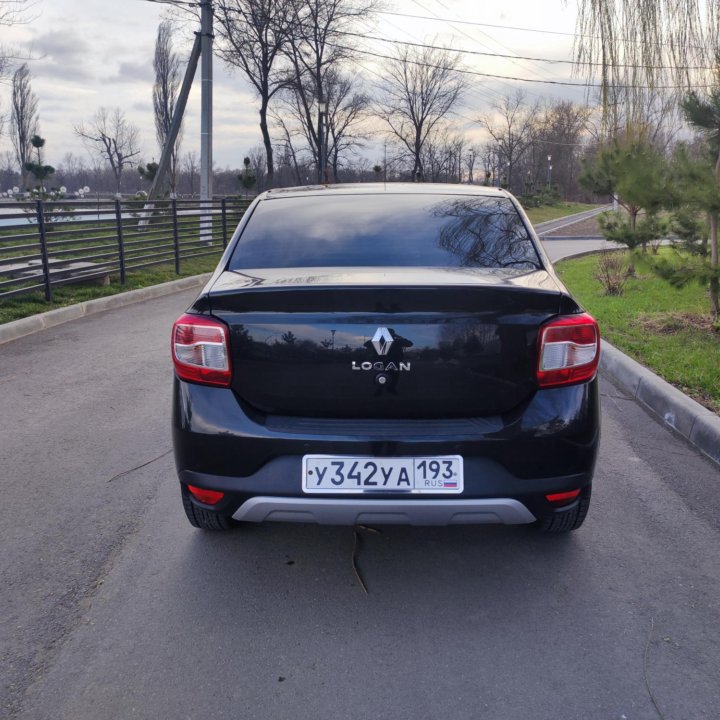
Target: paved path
(558, 248)
(114, 607)
(552, 226)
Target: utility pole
(170, 140)
(177, 119)
(206, 122)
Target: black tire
(567, 520)
(204, 519)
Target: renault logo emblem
(382, 340)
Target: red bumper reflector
(563, 497)
(209, 497)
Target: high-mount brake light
(568, 350)
(201, 350)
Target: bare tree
(346, 111)
(490, 160)
(111, 137)
(72, 172)
(23, 118)
(252, 36)
(511, 126)
(13, 12)
(420, 90)
(318, 46)
(434, 155)
(442, 155)
(191, 166)
(289, 151)
(560, 132)
(166, 64)
(258, 163)
(8, 169)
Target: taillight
(201, 350)
(568, 350)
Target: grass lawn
(667, 329)
(553, 212)
(32, 303)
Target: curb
(554, 238)
(585, 253)
(30, 325)
(698, 425)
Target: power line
(176, 3)
(518, 57)
(455, 28)
(530, 30)
(493, 40)
(480, 24)
(485, 94)
(521, 79)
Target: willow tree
(645, 49)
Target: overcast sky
(99, 53)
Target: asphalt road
(114, 607)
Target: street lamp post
(549, 179)
(322, 109)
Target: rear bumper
(336, 511)
(547, 446)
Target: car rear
(385, 354)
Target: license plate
(339, 474)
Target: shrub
(612, 272)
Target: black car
(385, 354)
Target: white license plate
(340, 474)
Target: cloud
(65, 46)
(61, 54)
(132, 72)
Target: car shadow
(424, 564)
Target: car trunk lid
(384, 342)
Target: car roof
(392, 188)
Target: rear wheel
(204, 519)
(564, 521)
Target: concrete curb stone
(584, 253)
(698, 425)
(705, 435)
(30, 325)
(553, 238)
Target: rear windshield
(388, 230)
